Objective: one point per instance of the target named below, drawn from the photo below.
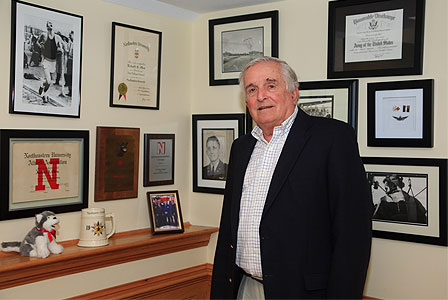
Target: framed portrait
(158, 165)
(235, 41)
(135, 67)
(400, 113)
(43, 170)
(46, 46)
(409, 197)
(213, 136)
(375, 38)
(116, 169)
(165, 213)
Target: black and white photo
(217, 143)
(319, 106)
(46, 63)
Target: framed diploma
(400, 113)
(375, 38)
(158, 162)
(43, 170)
(235, 41)
(135, 67)
(46, 46)
(116, 170)
(409, 199)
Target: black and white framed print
(235, 41)
(375, 38)
(46, 46)
(409, 197)
(213, 136)
(400, 113)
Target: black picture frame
(135, 67)
(220, 130)
(158, 163)
(400, 113)
(359, 54)
(32, 90)
(33, 182)
(261, 27)
(165, 219)
(423, 179)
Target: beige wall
(398, 270)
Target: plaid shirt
(255, 189)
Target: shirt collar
(282, 129)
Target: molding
(123, 247)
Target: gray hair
(289, 75)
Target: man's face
(213, 150)
(49, 26)
(267, 99)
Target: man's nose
(261, 95)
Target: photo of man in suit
(296, 217)
(216, 169)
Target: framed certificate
(158, 168)
(375, 38)
(135, 67)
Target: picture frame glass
(159, 159)
(165, 212)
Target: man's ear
(295, 95)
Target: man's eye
(251, 91)
(271, 86)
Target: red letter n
(52, 180)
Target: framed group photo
(235, 41)
(43, 170)
(400, 113)
(375, 38)
(165, 213)
(409, 197)
(46, 47)
(158, 163)
(213, 136)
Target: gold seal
(122, 89)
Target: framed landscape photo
(158, 165)
(235, 41)
(410, 198)
(116, 170)
(213, 136)
(165, 213)
(43, 170)
(135, 67)
(46, 47)
(375, 38)
(400, 113)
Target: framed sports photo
(235, 41)
(409, 197)
(213, 136)
(46, 46)
(400, 113)
(165, 213)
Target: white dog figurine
(40, 241)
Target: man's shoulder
(329, 126)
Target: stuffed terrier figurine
(40, 241)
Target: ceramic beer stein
(93, 227)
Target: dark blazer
(315, 231)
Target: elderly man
(296, 217)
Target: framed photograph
(116, 170)
(135, 67)
(165, 213)
(235, 41)
(410, 198)
(375, 38)
(400, 113)
(46, 46)
(158, 166)
(43, 170)
(213, 136)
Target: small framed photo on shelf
(43, 170)
(213, 136)
(135, 67)
(400, 113)
(116, 169)
(235, 41)
(46, 46)
(409, 197)
(375, 38)
(165, 213)
(158, 168)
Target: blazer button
(231, 246)
(230, 280)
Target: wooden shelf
(123, 247)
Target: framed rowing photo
(46, 46)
